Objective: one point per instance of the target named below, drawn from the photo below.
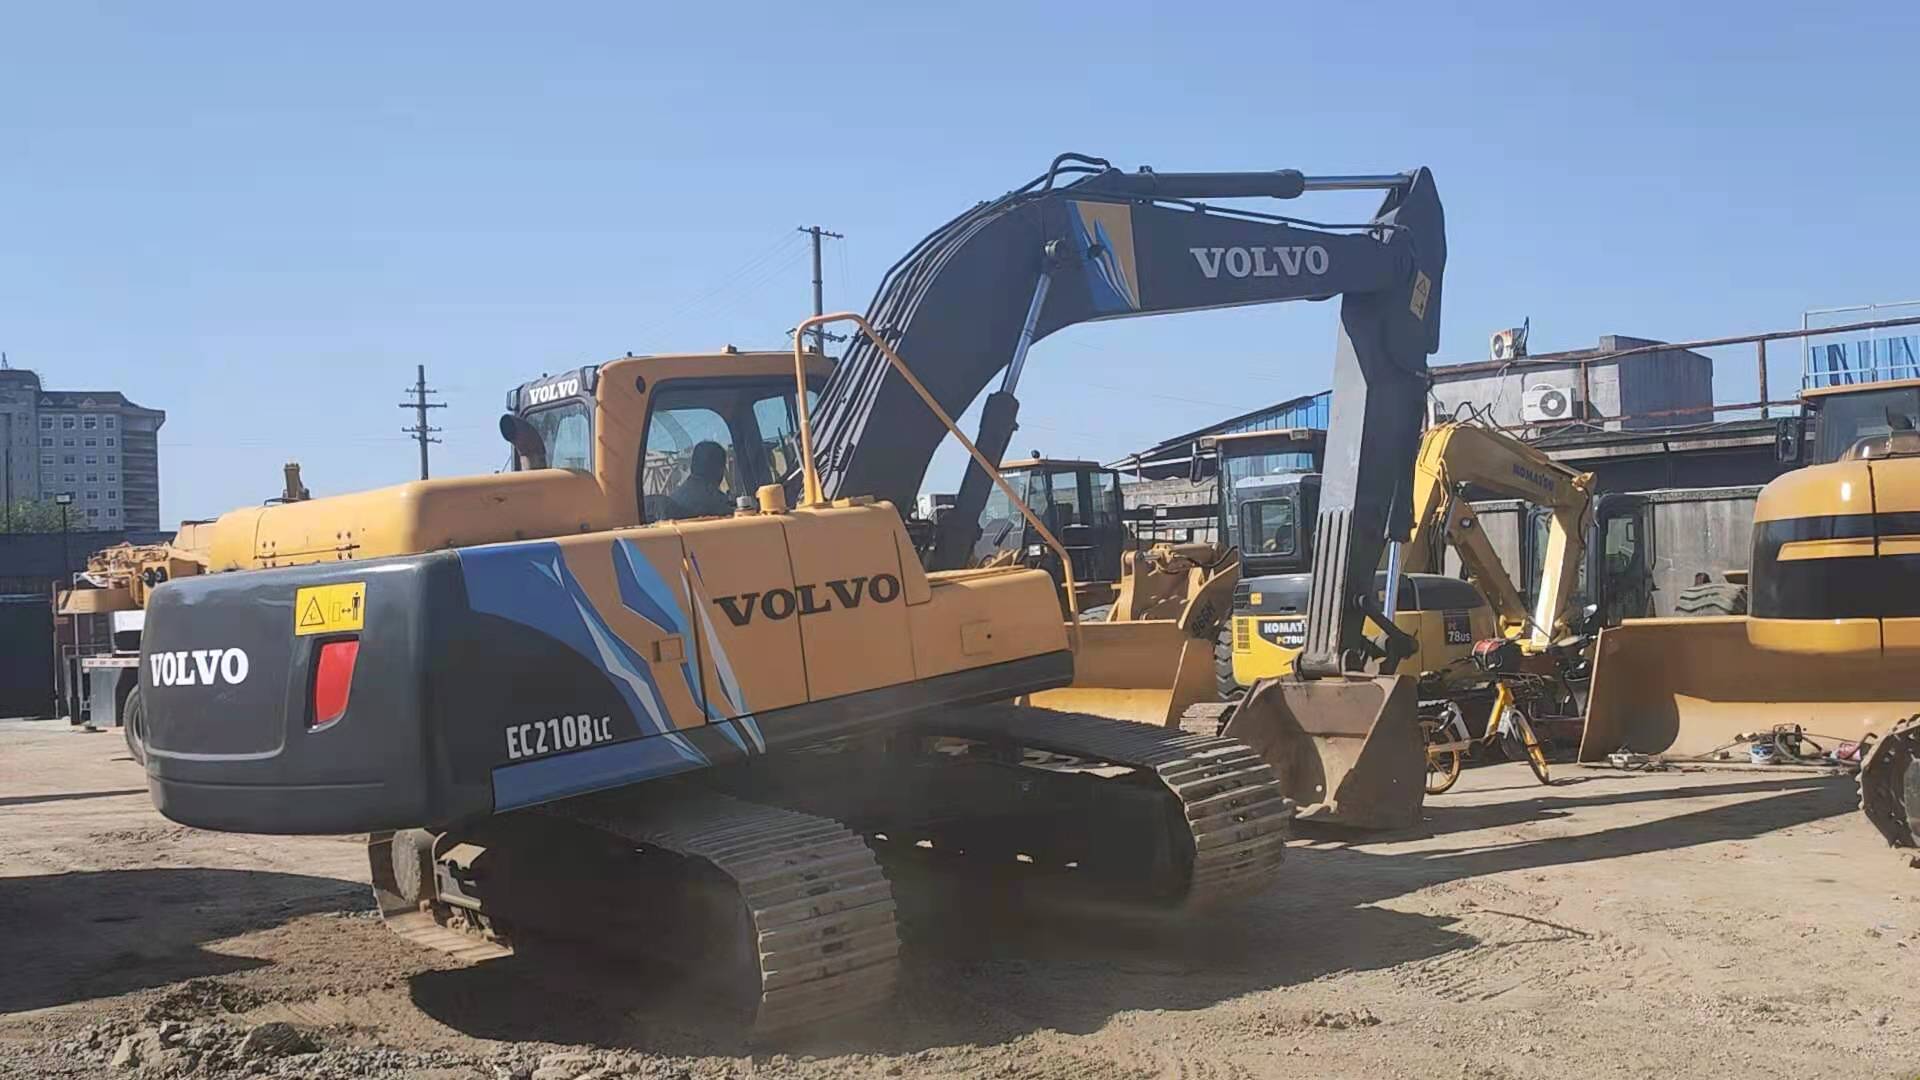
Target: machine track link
(816, 912)
(1890, 783)
(1237, 819)
(821, 912)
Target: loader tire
(1713, 598)
(1225, 686)
(133, 725)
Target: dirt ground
(1699, 924)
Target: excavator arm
(1086, 241)
(1454, 456)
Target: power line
(420, 431)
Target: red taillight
(333, 680)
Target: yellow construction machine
(676, 676)
(1830, 644)
(1443, 620)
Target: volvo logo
(777, 604)
(553, 391)
(1273, 261)
(198, 667)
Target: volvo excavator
(639, 689)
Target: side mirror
(528, 451)
(1787, 440)
(1590, 619)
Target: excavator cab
(1080, 503)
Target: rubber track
(822, 912)
(1884, 784)
(1238, 820)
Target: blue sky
(260, 217)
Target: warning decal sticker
(330, 609)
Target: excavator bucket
(1890, 784)
(1152, 658)
(1146, 672)
(1347, 749)
(1687, 688)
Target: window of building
(90, 422)
(109, 440)
(113, 511)
(66, 423)
(109, 423)
(93, 459)
(66, 459)
(67, 441)
(113, 478)
(93, 478)
(113, 496)
(93, 512)
(93, 442)
(112, 458)
(46, 423)
(46, 440)
(47, 459)
(93, 496)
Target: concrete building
(95, 444)
(1661, 389)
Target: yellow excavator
(1446, 622)
(678, 675)
(1830, 642)
(1456, 461)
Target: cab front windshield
(1849, 417)
(566, 436)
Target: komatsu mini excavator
(638, 690)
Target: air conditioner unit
(1509, 344)
(1543, 404)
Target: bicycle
(1443, 725)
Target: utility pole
(820, 334)
(420, 431)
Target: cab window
(566, 435)
(710, 444)
(1269, 526)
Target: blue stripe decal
(647, 594)
(530, 584)
(532, 782)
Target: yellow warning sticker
(330, 609)
(1422, 288)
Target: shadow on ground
(979, 968)
(66, 796)
(91, 934)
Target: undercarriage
(764, 882)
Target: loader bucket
(1146, 672)
(1687, 688)
(1347, 750)
(1890, 784)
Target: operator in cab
(699, 495)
